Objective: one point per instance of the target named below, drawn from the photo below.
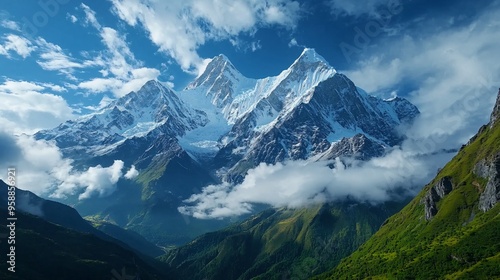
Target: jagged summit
(220, 67)
(310, 56)
(152, 107)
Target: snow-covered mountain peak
(152, 107)
(219, 68)
(310, 56)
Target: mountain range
(219, 127)
(222, 125)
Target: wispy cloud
(452, 72)
(9, 24)
(121, 71)
(53, 58)
(179, 27)
(16, 44)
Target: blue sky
(61, 58)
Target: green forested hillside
(451, 230)
(281, 244)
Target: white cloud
(9, 24)
(71, 17)
(90, 16)
(301, 183)
(27, 107)
(122, 72)
(293, 43)
(256, 45)
(180, 27)
(45, 171)
(120, 87)
(131, 173)
(17, 44)
(96, 180)
(53, 58)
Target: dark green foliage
(47, 251)
(129, 237)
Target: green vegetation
(281, 243)
(460, 242)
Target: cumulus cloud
(43, 170)
(301, 183)
(132, 173)
(71, 17)
(17, 44)
(180, 27)
(28, 107)
(96, 180)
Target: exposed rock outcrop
(434, 195)
(490, 171)
(496, 111)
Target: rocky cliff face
(434, 195)
(490, 171)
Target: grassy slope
(280, 243)
(459, 242)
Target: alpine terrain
(222, 125)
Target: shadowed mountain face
(48, 251)
(52, 241)
(450, 230)
(67, 217)
(222, 125)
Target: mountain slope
(48, 251)
(67, 217)
(450, 230)
(282, 243)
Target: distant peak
(218, 66)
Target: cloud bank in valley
(302, 183)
